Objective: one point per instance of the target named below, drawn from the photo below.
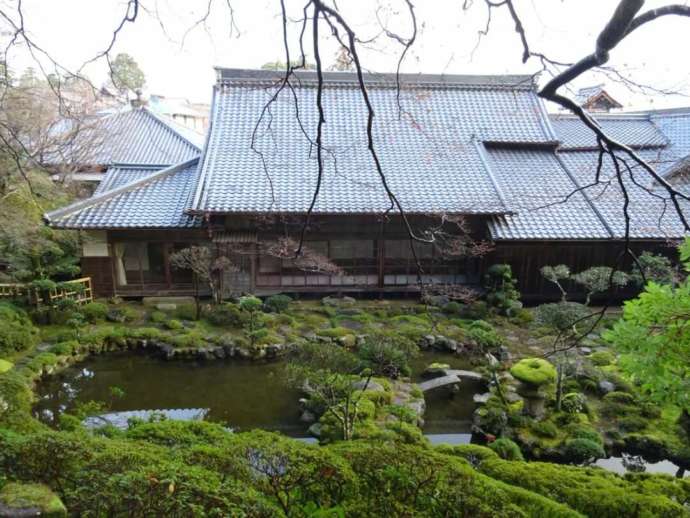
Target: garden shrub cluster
(17, 331)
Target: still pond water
(247, 395)
(240, 395)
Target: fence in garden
(78, 290)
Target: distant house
(189, 114)
(596, 99)
(480, 147)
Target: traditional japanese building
(480, 150)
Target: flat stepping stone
(465, 375)
(444, 381)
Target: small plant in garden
(206, 267)
(254, 328)
(501, 289)
(557, 274)
(655, 268)
(277, 303)
(387, 356)
(599, 279)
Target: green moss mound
(534, 371)
(5, 365)
(18, 497)
(590, 491)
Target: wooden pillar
(381, 260)
(166, 264)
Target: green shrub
(277, 303)
(121, 314)
(573, 402)
(5, 366)
(632, 423)
(560, 316)
(484, 335)
(226, 315)
(17, 332)
(506, 449)
(590, 491)
(579, 431)
(534, 371)
(65, 348)
(475, 310)
(522, 317)
(94, 311)
(581, 450)
(601, 358)
(452, 308)
(501, 292)
(544, 429)
(472, 453)
(386, 356)
(174, 324)
(185, 311)
(158, 317)
(622, 398)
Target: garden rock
(584, 350)
(307, 417)
(481, 399)
(338, 302)
(436, 369)
(503, 354)
(427, 341)
(315, 430)
(373, 386)
(606, 386)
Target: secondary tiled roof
(651, 212)
(675, 124)
(544, 198)
(156, 201)
(427, 150)
(634, 131)
(118, 175)
(134, 137)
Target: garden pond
(244, 395)
(238, 394)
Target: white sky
(75, 30)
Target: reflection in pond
(240, 395)
(636, 464)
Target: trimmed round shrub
(573, 402)
(227, 314)
(5, 365)
(621, 398)
(94, 311)
(583, 451)
(277, 303)
(506, 449)
(544, 429)
(560, 315)
(601, 358)
(158, 317)
(632, 423)
(579, 431)
(174, 325)
(17, 332)
(534, 371)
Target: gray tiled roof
(542, 194)
(133, 137)
(428, 155)
(634, 131)
(675, 124)
(651, 215)
(155, 201)
(121, 174)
